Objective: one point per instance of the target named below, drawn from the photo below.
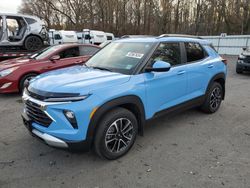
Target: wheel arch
(221, 79)
(23, 75)
(132, 103)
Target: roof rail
(180, 35)
(136, 36)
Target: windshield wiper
(101, 68)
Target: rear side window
(30, 21)
(88, 50)
(194, 52)
(168, 52)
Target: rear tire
(24, 80)
(116, 134)
(33, 43)
(213, 98)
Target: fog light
(71, 118)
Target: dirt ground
(188, 150)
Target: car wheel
(33, 43)
(116, 134)
(25, 81)
(213, 98)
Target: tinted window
(87, 50)
(168, 52)
(71, 52)
(30, 20)
(57, 37)
(109, 38)
(194, 52)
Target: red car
(15, 73)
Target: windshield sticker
(135, 55)
(129, 66)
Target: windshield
(45, 52)
(122, 57)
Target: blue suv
(105, 103)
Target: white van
(61, 37)
(110, 36)
(91, 36)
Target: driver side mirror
(54, 58)
(159, 66)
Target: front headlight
(241, 56)
(7, 71)
(67, 99)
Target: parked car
(106, 102)
(91, 37)
(15, 73)
(62, 37)
(243, 62)
(24, 31)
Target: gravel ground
(190, 149)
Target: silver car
(24, 31)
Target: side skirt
(181, 107)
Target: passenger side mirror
(54, 58)
(159, 66)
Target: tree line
(149, 17)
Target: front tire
(239, 71)
(25, 80)
(213, 98)
(116, 134)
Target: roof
(66, 45)
(21, 15)
(165, 39)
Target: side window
(169, 52)
(194, 52)
(109, 38)
(71, 52)
(88, 50)
(30, 21)
(1, 28)
(57, 37)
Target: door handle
(181, 72)
(211, 65)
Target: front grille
(36, 114)
(247, 59)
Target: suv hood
(77, 79)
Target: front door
(68, 57)
(166, 89)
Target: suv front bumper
(54, 141)
(242, 65)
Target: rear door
(199, 69)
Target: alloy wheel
(119, 135)
(215, 98)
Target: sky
(9, 6)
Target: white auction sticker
(135, 55)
